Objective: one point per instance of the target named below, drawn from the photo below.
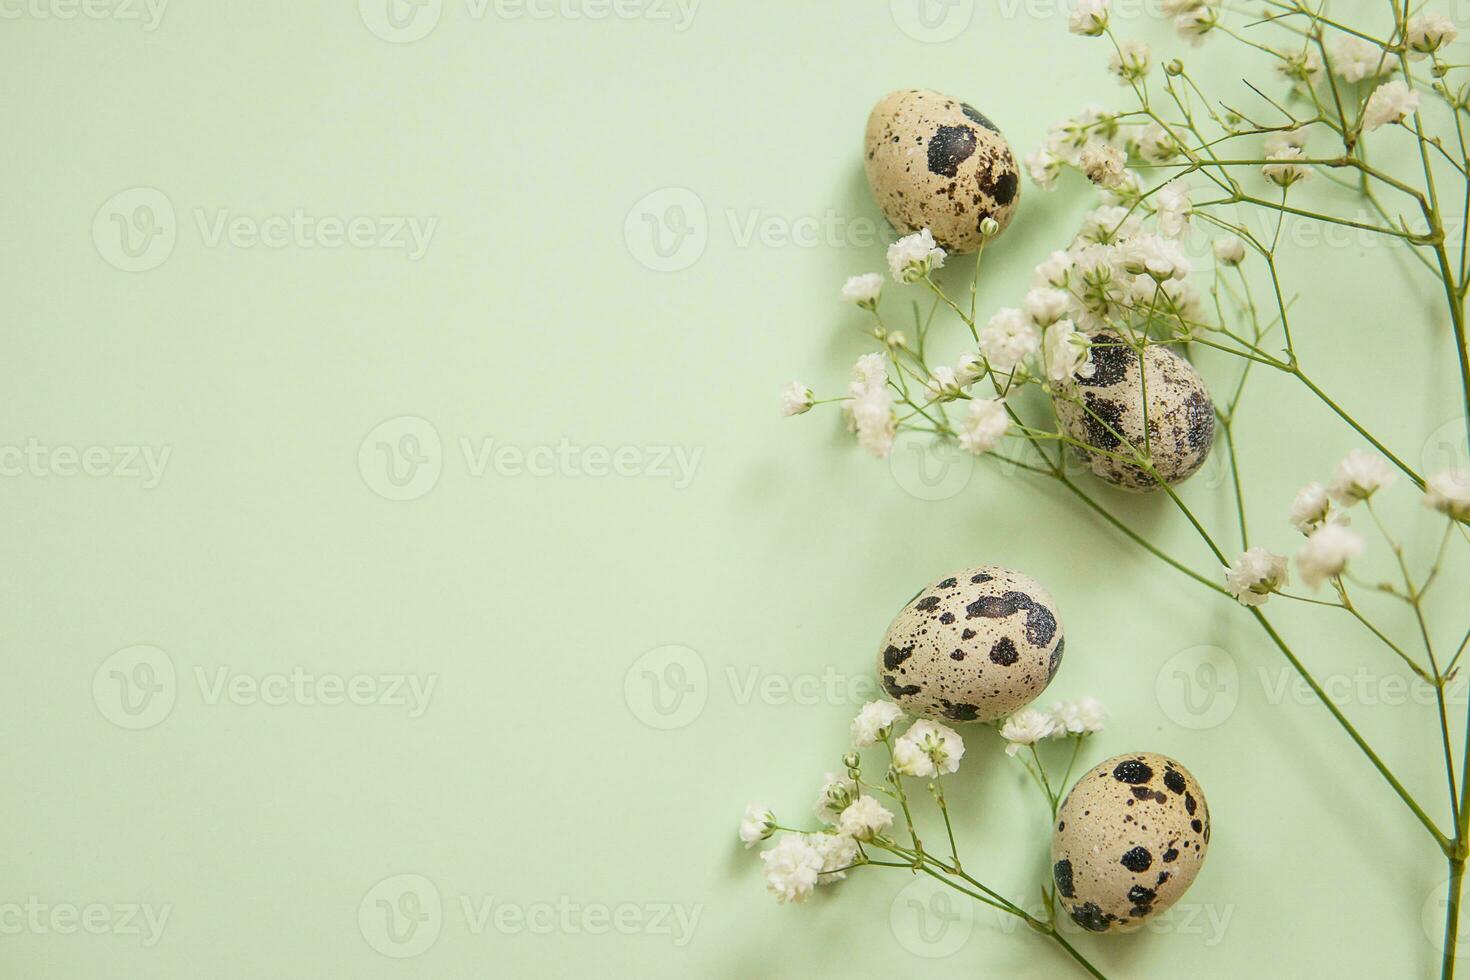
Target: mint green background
(530, 778)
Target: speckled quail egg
(973, 646)
(1129, 840)
(1181, 416)
(934, 162)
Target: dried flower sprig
(860, 828)
(1180, 161)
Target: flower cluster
(1064, 719)
(849, 808)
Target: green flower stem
(1405, 468)
(987, 896)
(903, 799)
(1227, 424)
(1444, 842)
(1452, 917)
(1416, 600)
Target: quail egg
(1181, 416)
(973, 646)
(935, 162)
(1129, 839)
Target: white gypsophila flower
(1130, 61)
(1173, 8)
(838, 852)
(1067, 352)
(1085, 716)
(913, 257)
(1285, 170)
(1055, 271)
(1197, 22)
(1127, 194)
(1045, 167)
(874, 421)
(1311, 509)
(1355, 58)
(1427, 33)
(984, 424)
(864, 290)
(865, 818)
(1449, 493)
(1089, 18)
(796, 398)
(1067, 138)
(1157, 257)
(1359, 476)
(1229, 250)
(943, 385)
(757, 824)
(1327, 552)
(1302, 67)
(791, 867)
(873, 722)
(969, 369)
(1027, 727)
(836, 793)
(1099, 285)
(928, 749)
(1391, 102)
(1253, 576)
(1109, 223)
(1173, 207)
(870, 371)
(1045, 306)
(1103, 163)
(1008, 339)
(1155, 145)
(1280, 142)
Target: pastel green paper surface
(420, 394)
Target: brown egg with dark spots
(1129, 840)
(1157, 404)
(938, 163)
(973, 646)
